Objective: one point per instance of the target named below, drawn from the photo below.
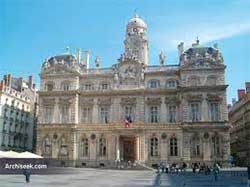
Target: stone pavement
(86, 177)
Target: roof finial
(67, 50)
(135, 13)
(197, 40)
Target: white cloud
(206, 33)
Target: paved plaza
(125, 178)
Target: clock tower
(136, 43)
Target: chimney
(233, 101)
(78, 55)
(30, 83)
(5, 80)
(180, 48)
(9, 80)
(241, 93)
(247, 87)
(86, 60)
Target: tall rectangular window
(195, 113)
(128, 112)
(214, 111)
(172, 114)
(154, 114)
(64, 114)
(48, 114)
(104, 114)
(86, 115)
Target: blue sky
(31, 31)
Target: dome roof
(137, 22)
(66, 60)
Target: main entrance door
(128, 145)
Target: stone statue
(97, 62)
(162, 58)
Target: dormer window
(104, 86)
(171, 84)
(154, 84)
(49, 86)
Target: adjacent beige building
(178, 112)
(239, 117)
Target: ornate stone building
(178, 112)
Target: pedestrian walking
(27, 175)
(216, 171)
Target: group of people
(196, 167)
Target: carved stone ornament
(104, 101)
(48, 101)
(88, 102)
(194, 97)
(128, 101)
(153, 101)
(172, 99)
(164, 136)
(214, 97)
(65, 101)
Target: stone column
(186, 147)
(117, 144)
(137, 147)
(75, 145)
(56, 112)
(95, 113)
(163, 114)
(206, 149)
(204, 110)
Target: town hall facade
(177, 113)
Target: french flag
(127, 121)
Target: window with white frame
(48, 114)
(214, 111)
(171, 84)
(216, 145)
(86, 115)
(102, 147)
(173, 146)
(66, 86)
(154, 114)
(154, 84)
(64, 113)
(154, 147)
(104, 114)
(129, 112)
(196, 146)
(84, 147)
(195, 111)
(104, 86)
(172, 113)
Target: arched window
(171, 84)
(102, 146)
(194, 81)
(173, 146)
(216, 145)
(154, 147)
(154, 84)
(196, 146)
(84, 147)
(49, 86)
(65, 86)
